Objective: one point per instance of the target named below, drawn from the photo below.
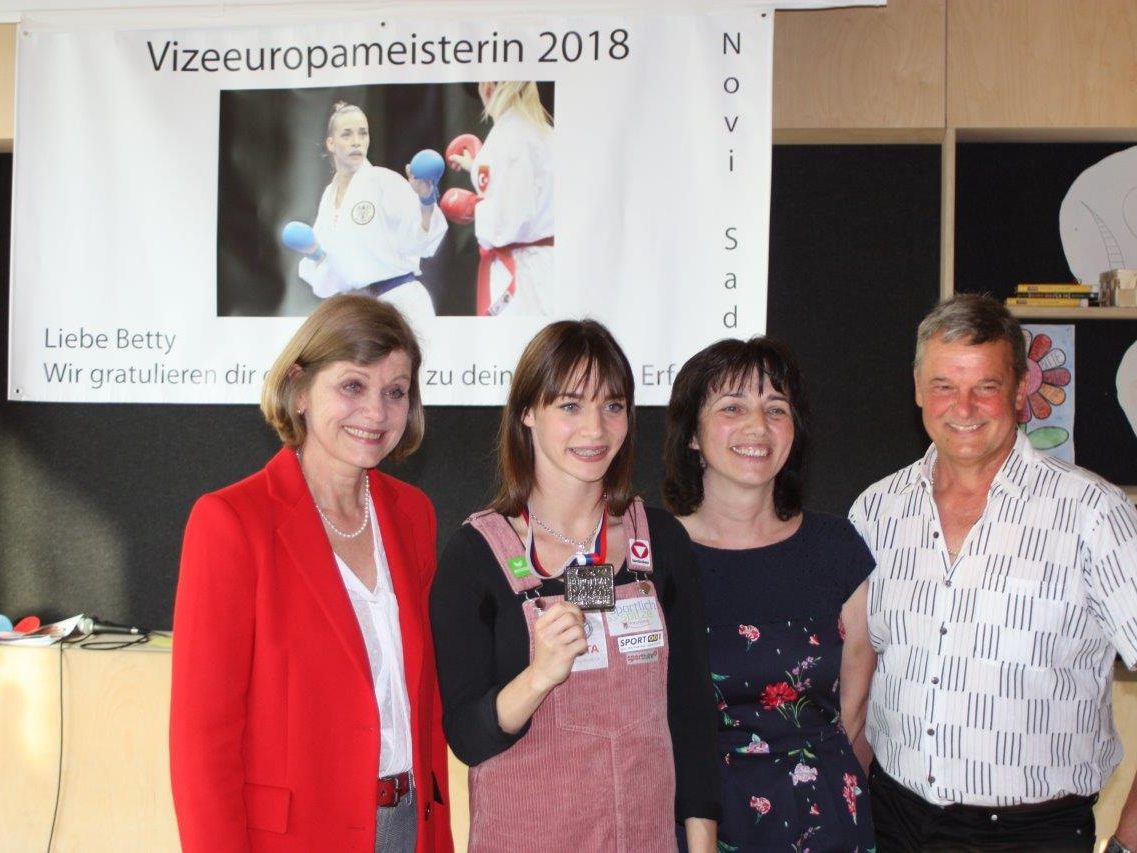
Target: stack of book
(1055, 295)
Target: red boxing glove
(466, 143)
(458, 205)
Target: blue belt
(378, 288)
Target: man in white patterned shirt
(1006, 583)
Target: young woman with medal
(568, 627)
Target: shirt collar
(1012, 478)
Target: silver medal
(591, 587)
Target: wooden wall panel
(1041, 63)
(876, 67)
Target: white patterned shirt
(993, 681)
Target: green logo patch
(519, 566)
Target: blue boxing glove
(427, 166)
(299, 237)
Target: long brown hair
(580, 351)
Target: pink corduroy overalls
(595, 771)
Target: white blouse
(377, 612)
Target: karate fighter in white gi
(512, 173)
(372, 226)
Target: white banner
(156, 170)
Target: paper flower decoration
(1046, 379)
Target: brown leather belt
(390, 789)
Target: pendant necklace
(582, 547)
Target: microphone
(94, 625)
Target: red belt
(488, 254)
(390, 789)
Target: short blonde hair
(521, 94)
(346, 327)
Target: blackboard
(93, 497)
(1007, 201)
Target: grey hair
(974, 318)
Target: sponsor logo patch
(634, 616)
(641, 657)
(639, 642)
(639, 553)
(519, 566)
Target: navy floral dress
(790, 779)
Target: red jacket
(274, 729)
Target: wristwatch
(1115, 846)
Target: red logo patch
(483, 178)
(639, 554)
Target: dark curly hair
(730, 363)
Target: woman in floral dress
(785, 592)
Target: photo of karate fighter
(373, 225)
(314, 200)
(511, 206)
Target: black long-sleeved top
(482, 643)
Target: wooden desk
(115, 792)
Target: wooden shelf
(1041, 312)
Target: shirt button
(931, 780)
(935, 679)
(931, 731)
(994, 817)
(935, 534)
(947, 582)
(943, 629)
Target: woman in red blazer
(305, 712)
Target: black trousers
(906, 823)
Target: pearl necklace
(581, 547)
(365, 503)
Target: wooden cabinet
(860, 68)
(114, 790)
(1041, 64)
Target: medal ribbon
(594, 557)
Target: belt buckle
(390, 790)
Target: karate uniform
(513, 175)
(375, 235)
